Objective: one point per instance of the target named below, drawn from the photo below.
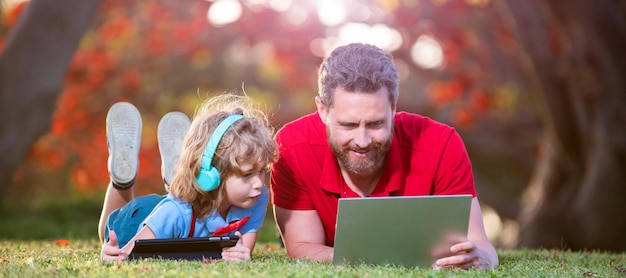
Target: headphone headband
(208, 177)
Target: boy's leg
(123, 129)
(173, 128)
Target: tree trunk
(32, 67)
(574, 58)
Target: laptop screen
(399, 230)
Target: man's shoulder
(419, 126)
(421, 133)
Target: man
(356, 145)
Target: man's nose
(363, 138)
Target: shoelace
(232, 226)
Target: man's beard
(365, 165)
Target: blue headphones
(209, 177)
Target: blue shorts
(125, 221)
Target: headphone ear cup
(208, 179)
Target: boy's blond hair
(247, 139)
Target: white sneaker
(123, 130)
(171, 133)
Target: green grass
(38, 258)
(29, 234)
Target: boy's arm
(111, 250)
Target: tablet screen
(195, 248)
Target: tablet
(194, 248)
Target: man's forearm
(310, 251)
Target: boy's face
(244, 190)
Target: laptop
(191, 249)
(400, 231)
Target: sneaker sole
(124, 138)
(171, 132)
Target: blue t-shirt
(171, 218)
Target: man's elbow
(309, 251)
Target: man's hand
(111, 250)
(462, 254)
(239, 252)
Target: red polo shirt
(426, 158)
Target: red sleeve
(454, 174)
(288, 190)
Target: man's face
(359, 127)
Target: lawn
(39, 258)
(58, 238)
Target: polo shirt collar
(331, 179)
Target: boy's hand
(111, 250)
(239, 252)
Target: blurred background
(535, 88)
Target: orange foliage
(62, 242)
(474, 38)
(479, 100)
(467, 103)
(463, 118)
(9, 18)
(115, 28)
(131, 79)
(155, 44)
(446, 92)
(11, 15)
(451, 51)
(556, 44)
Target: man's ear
(321, 109)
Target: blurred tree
(33, 62)
(572, 54)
